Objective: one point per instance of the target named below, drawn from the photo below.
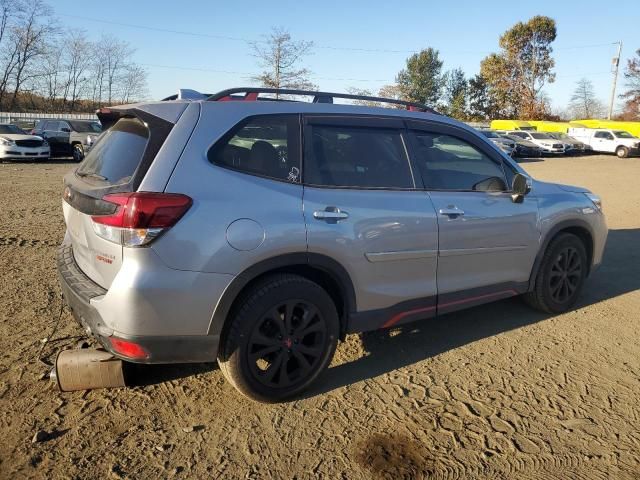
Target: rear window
(117, 153)
(263, 145)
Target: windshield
(89, 127)
(540, 136)
(489, 134)
(11, 129)
(623, 134)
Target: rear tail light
(128, 349)
(140, 217)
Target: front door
(487, 243)
(603, 141)
(362, 209)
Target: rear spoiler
(108, 116)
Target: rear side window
(266, 145)
(449, 163)
(341, 156)
(117, 153)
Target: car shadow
(140, 375)
(388, 350)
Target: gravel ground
(498, 391)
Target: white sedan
(15, 144)
(547, 143)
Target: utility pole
(615, 64)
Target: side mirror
(519, 188)
(65, 129)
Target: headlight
(597, 201)
(6, 141)
(89, 139)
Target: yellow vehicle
(545, 126)
(632, 127)
(511, 125)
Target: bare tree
(77, 50)
(29, 38)
(51, 82)
(134, 84)
(364, 92)
(584, 103)
(10, 12)
(280, 57)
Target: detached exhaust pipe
(86, 369)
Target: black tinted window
(266, 145)
(356, 157)
(449, 163)
(117, 153)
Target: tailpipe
(86, 369)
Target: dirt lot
(498, 391)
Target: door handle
(330, 214)
(451, 212)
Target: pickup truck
(620, 142)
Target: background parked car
(572, 145)
(524, 148)
(546, 143)
(506, 145)
(69, 137)
(16, 144)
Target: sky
(360, 44)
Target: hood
(527, 143)
(503, 141)
(19, 136)
(548, 187)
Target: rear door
(55, 136)
(487, 243)
(362, 209)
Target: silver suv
(258, 232)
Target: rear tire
(281, 337)
(561, 275)
(622, 152)
(78, 152)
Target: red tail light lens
(140, 216)
(128, 349)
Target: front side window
(520, 134)
(449, 163)
(359, 157)
(265, 146)
(605, 135)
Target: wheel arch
(577, 227)
(318, 268)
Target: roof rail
(251, 94)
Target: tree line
(43, 68)
(510, 83)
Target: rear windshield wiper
(92, 175)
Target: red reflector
(145, 210)
(128, 349)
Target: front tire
(561, 275)
(622, 152)
(281, 337)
